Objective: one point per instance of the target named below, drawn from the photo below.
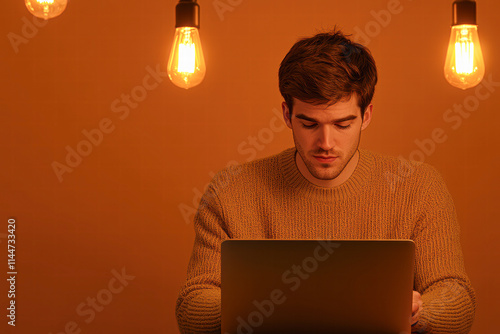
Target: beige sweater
(385, 198)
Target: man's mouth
(325, 158)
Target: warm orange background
(120, 207)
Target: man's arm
(198, 308)
(447, 295)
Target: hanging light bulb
(46, 9)
(464, 65)
(186, 65)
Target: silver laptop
(317, 286)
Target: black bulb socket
(187, 14)
(464, 12)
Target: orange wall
(120, 206)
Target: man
(326, 188)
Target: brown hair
(327, 68)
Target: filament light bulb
(186, 64)
(464, 65)
(46, 9)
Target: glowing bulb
(46, 9)
(186, 65)
(464, 65)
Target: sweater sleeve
(447, 295)
(198, 307)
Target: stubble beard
(326, 171)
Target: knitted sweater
(385, 198)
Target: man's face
(327, 138)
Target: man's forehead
(343, 108)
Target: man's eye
(340, 126)
(309, 126)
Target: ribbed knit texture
(385, 198)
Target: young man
(326, 188)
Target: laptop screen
(317, 286)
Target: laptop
(317, 286)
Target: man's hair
(328, 68)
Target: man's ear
(367, 117)
(286, 114)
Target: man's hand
(416, 307)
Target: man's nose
(326, 140)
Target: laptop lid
(317, 286)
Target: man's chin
(325, 175)
(325, 171)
